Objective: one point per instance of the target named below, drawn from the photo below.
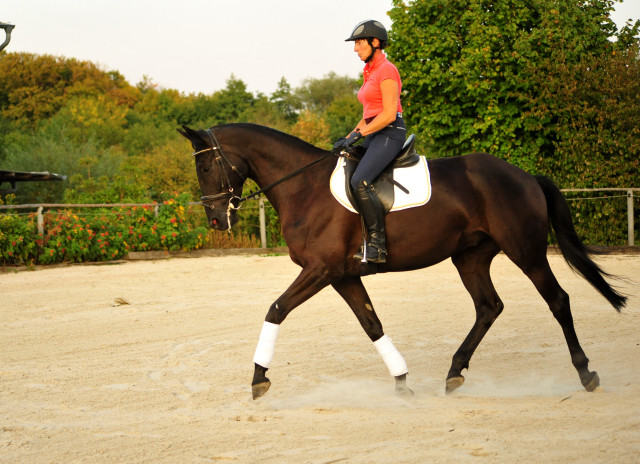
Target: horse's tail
(576, 254)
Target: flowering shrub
(99, 236)
(17, 237)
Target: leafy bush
(17, 233)
(87, 235)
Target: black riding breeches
(382, 147)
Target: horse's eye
(205, 168)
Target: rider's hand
(347, 142)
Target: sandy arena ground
(167, 379)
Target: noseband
(224, 178)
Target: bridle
(224, 178)
(226, 183)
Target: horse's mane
(279, 136)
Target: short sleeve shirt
(369, 94)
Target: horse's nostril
(215, 222)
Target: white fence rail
(261, 204)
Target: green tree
(316, 94)
(342, 115)
(286, 102)
(313, 129)
(34, 87)
(590, 111)
(265, 112)
(466, 65)
(50, 149)
(230, 102)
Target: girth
(384, 184)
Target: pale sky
(195, 45)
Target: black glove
(343, 143)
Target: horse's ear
(189, 133)
(193, 135)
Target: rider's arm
(360, 125)
(389, 90)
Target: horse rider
(382, 127)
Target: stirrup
(373, 255)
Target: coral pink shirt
(374, 73)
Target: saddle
(384, 183)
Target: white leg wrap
(391, 356)
(266, 345)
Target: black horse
(480, 205)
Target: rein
(224, 177)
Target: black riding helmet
(370, 30)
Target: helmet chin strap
(373, 50)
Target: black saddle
(384, 183)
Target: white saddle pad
(415, 179)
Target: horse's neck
(273, 161)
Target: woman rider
(381, 125)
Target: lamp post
(7, 30)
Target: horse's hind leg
(473, 266)
(542, 277)
(354, 293)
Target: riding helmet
(369, 29)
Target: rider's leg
(382, 148)
(373, 215)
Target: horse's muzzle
(218, 219)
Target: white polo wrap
(391, 356)
(266, 345)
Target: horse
(480, 205)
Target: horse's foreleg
(473, 266)
(310, 281)
(354, 293)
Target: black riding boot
(373, 215)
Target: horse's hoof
(592, 384)
(453, 383)
(403, 390)
(260, 389)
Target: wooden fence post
(156, 210)
(40, 221)
(263, 225)
(630, 230)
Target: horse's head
(221, 175)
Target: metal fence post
(630, 230)
(156, 210)
(263, 224)
(40, 221)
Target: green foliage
(35, 87)
(285, 101)
(537, 82)
(317, 94)
(16, 234)
(549, 85)
(313, 129)
(249, 219)
(50, 149)
(124, 187)
(342, 116)
(595, 107)
(467, 63)
(91, 235)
